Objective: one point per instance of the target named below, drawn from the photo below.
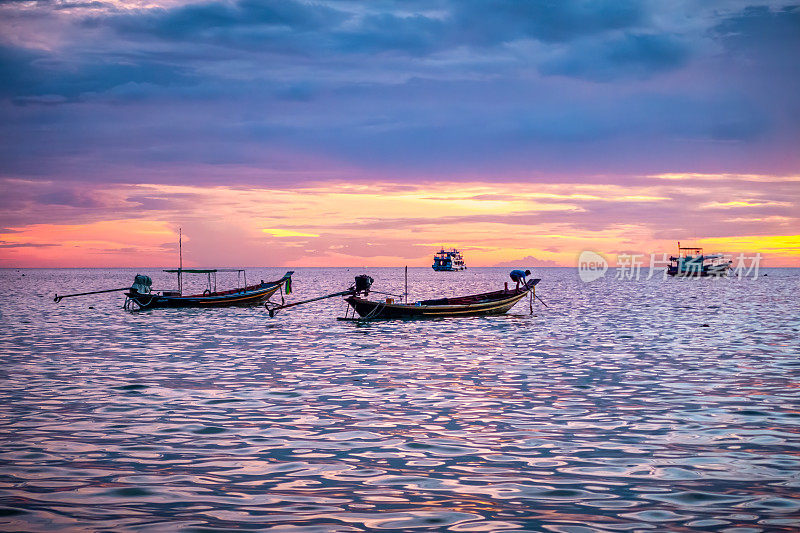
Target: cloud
(275, 24)
(32, 76)
(763, 43)
(282, 232)
(82, 5)
(174, 201)
(379, 224)
(492, 22)
(273, 96)
(68, 197)
(631, 55)
(528, 261)
(761, 27)
(389, 27)
(289, 92)
(16, 73)
(4, 244)
(416, 35)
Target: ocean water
(624, 405)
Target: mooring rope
(379, 306)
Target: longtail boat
(484, 304)
(140, 298)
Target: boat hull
(708, 271)
(253, 295)
(496, 303)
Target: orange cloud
(389, 224)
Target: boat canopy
(203, 270)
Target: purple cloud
(284, 93)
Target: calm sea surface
(623, 406)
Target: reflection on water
(624, 406)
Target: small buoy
(705, 326)
(91, 307)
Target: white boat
(448, 260)
(692, 263)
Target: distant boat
(691, 263)
(489, 303)
(448, 261)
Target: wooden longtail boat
(137, 299)
(140, 297)
(489, 303)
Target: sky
(346, 133)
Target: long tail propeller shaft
(59, 298)
(272, 310)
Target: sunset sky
(336, 133)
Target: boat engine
(363, 283)
(141, 284)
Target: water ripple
(612, 410)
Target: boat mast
(406, 293)
(180, 259)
